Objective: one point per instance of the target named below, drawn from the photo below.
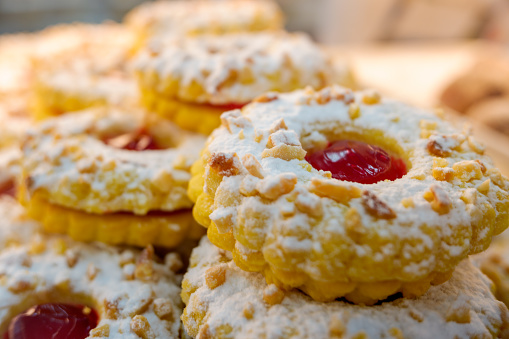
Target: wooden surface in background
(417, 73)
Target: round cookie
(193, 81)
(182, 18)
(133, 294)
(93, 73)
(263, 201)
(224, 301)
(110, 175)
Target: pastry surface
(224, 301)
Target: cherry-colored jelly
(53, 321)
(8, 188)
(358, 162)
(229, 107)
(136, 141)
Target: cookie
(346, 194)
(193, 81)
(110, 175)
(223, 301)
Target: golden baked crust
(91, 73)
(161, 19)
(261, 200)
(66, 162)
(222, 301)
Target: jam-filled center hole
(139, 140)
(53, 321)
(8, 188)
(357, 161)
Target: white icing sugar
(183, 17)
(451, 241)
(249, 60)
(68, 149)
(298, 316)
(15, 227)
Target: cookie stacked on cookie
(341, 195)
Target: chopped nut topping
(273, 295)
(100, 331)
(337, 328)
(227, 164)
(354, 111)
(484, 187)
(248, 186)
(278, 125)
(144, 266)
(460, 315)
(442, 145)
(92, 271)
(253, 166)
(376, 207)
(173, 262)
(285, 152)
(234, 119)
(283, 137)
(71, 257)
(141, 326)
(111, 309)
(468, 170)
(248, 311)
(266, 97)
(475, 145)
(371, 98)
(427, 128)
(441, 202)
(275, 186)
(163, 309)
(334, 189)
(215, 276)
(309, 204)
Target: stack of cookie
(340, 214)
(328, 213)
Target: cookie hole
(53, 321)
(8, 187)
(365, 157)
(139, 140)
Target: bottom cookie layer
(192, 117)
(164, 229)
(226, 302)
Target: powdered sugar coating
(198, 17)
(55, 269)
(435, 225)
(15, 227)
(238, 309)
(66, 158)
(233, 68)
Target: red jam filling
(358, 162)
(53, 321)
(8, 188)
(229, 107)
(140, 140)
